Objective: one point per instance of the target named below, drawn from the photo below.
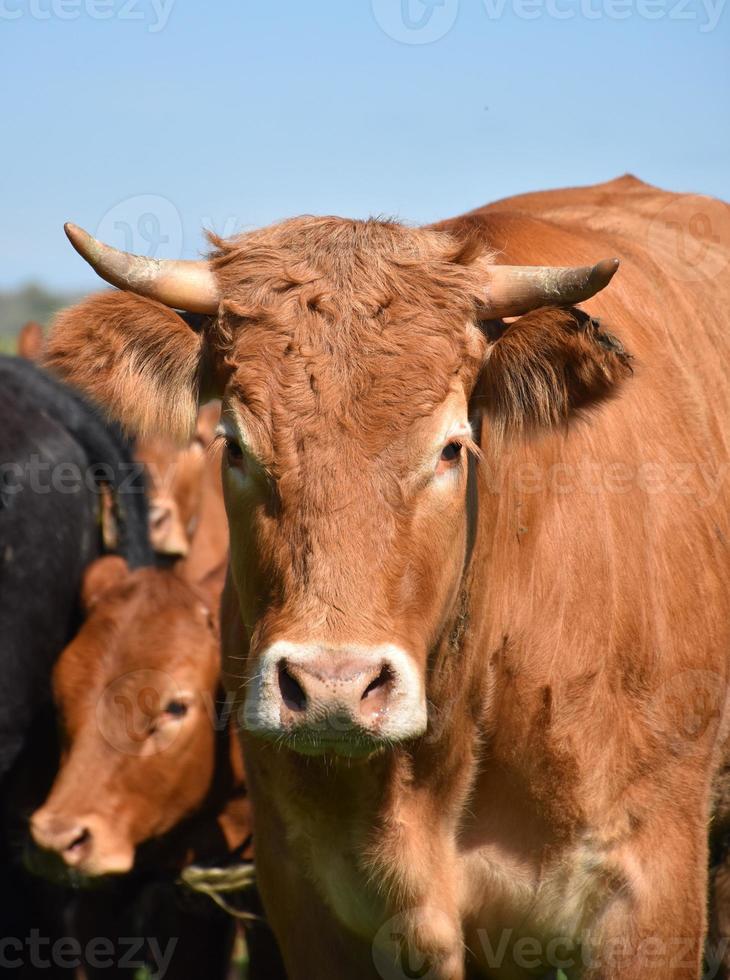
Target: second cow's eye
(234, 452)
(176, 709)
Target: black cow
(55, 453)
(65, 475)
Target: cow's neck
(380, 835)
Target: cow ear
(101, 576)
(547, 366)
(138, 359)
(209, 418)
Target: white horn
(516, 289)
(179, 283)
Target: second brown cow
(151, 777)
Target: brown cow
(478, 613)
(137, 692)
(147, 780)
(187, 514)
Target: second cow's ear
(138, 359)
(100, 577)
(544, 368)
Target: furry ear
(209, 418)
(101, 576)
(135, 357)
(545, 367)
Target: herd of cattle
(133, 771)
(425, 544)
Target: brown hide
(187, 514)
(548, 597)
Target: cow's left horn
(516, 289)
(180, 283)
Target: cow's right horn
(180, 283)
(516, 289)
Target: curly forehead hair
(358, 265)
(373, 313)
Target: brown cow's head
(353, 362)
(134, 692)
(175, 483)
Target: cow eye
(177, 709)
(450, 452)
(234, 453)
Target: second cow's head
(353, 360)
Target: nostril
(83, 837)
(291, 690)
(380, 684)
(159, 517)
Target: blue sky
(147, 119)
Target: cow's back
(604, 553)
